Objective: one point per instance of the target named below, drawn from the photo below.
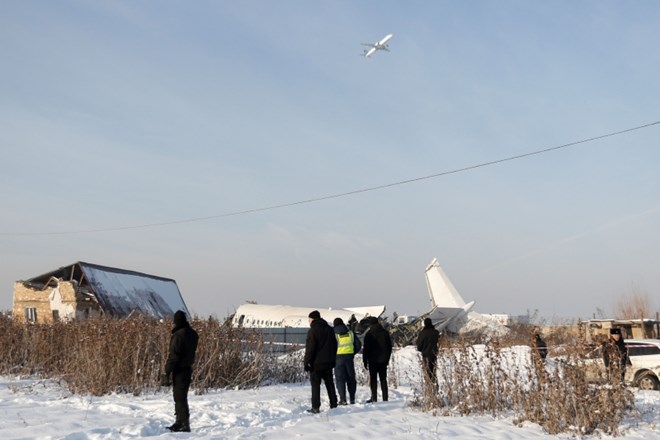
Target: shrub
(557, 394)
(102, 356)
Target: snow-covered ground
(42, 409)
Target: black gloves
(165, 380)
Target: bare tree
(634, 305)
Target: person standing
(615, 355)
(320, 356)
(347, 345)
(427, 344)
(540, 347)
(178, 369)
(376, 353)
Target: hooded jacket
(183, 345)
(427, 341)
(321, 345)
(377, 347)
(341, 329)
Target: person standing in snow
(376, 353)
(347, 345)
(540, 348)
(427, 344)
(615, 356)
(320, 357)
(178, 369)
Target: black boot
(180, 427)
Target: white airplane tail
(448, 309)
(442, 292)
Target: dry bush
(559, 394)
(102, 356)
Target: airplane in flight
(379, 45)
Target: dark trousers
(180, 385)
(324, 374)
(376, 372)
(430, 363)
(345, 377)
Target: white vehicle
(643, 370)
(644, 355)
(379, 45)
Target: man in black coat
(320, 356)
(427, 344)
(540, 347)
(615, 355)
(376, 353)
(178, 369)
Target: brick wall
(70, 305)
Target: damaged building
(83, 290)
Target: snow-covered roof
(121, 292)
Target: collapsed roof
(120, 292)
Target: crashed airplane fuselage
(282, 316)
(449, 311)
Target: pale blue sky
(119, 114)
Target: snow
(44, 409)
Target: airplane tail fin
(441, 291)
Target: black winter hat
(180, 317)
(428, 322)
(615, 331)
(315, 314)
(372, 320)
(338, 321)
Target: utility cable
(338, 195)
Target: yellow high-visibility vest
(345, 343)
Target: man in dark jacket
(615, 355)
(178, 369)
(427, 344)
(320, 356)
(347, 345)
(376, 353)
(540, 347)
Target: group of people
(329, 349)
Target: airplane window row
(242, 320)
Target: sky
(205, 142)
(45, 410)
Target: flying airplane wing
(368, 53)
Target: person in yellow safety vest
(347, 346)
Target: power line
(338, 195)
